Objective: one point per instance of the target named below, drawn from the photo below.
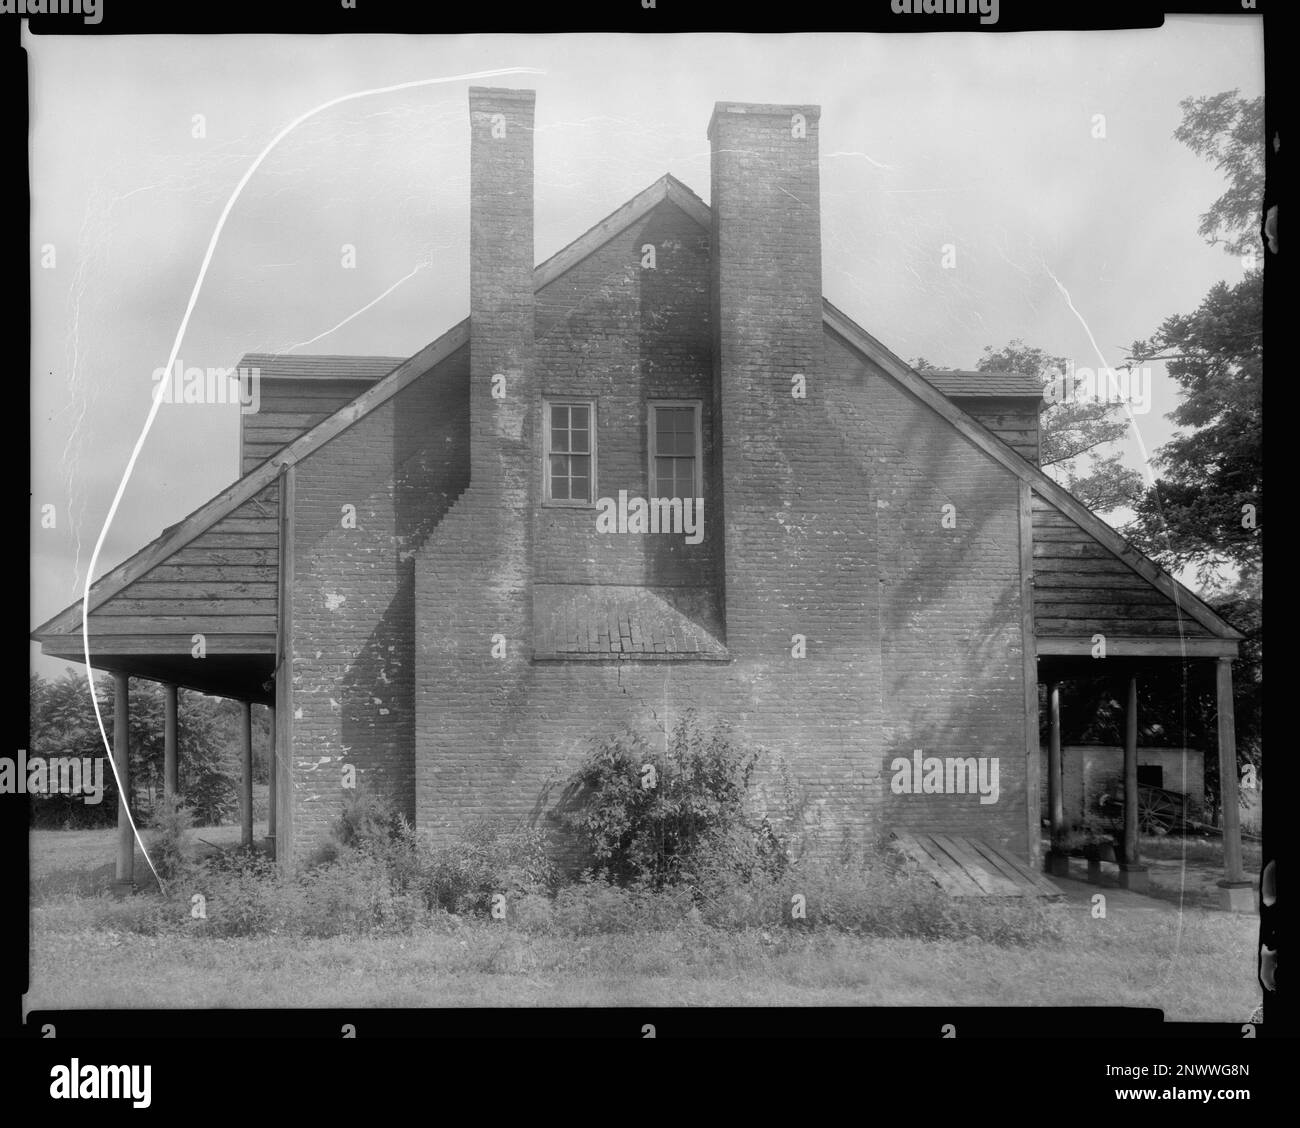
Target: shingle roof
(322, 366)
(992, 384)
(575, 621)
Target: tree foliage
(1229, 130)
(1074, 433)
(1206, 507)
(666, 815)
(62, 723)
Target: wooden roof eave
(669, 189)
(902, 373)
(229, 499)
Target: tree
(1229, 130)
(1206, 507)
(1073, 433)
(62, 721)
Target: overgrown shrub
(169, 845)
(669, 817)
(486, 859)
(244, 895)
(724, 882)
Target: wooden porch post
(1058, 862)
(124, 874)
(1029, 654)
(275, 770)
(1238, 892)
(246, 774)
(1132, 873)
(171, 772)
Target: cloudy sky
(984, 142)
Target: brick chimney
(802, 578)
(767, 307)
(501, 292)
(473, 576)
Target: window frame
(567, 401)
(697, 406)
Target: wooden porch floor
(967, 867)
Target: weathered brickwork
(353, 607)
(809, 530)
(626, 334)
(474, 575)
(949, 598)
(856, 625)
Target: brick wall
(353, 610)
(626, 334)
(823, 519)
(911, 629)
(949, 598)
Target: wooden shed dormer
(297, 392)
(1007, 403)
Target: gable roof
(995, 385)
(857, 337)
(175, 537)
(327, 366)
(666, 188)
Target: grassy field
(82, 861)
(1193, 965)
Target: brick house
(413, 570)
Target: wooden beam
(1228, 795)
(271, 799)
(1055, 773)
(1033, 814)
(171, 771)
(284, 676)
(246, 774)
(1117, 647)
(1131, 851)
(69, 646)
(124, 873)
(186, 625)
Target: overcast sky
(982, 141)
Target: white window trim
(697, 407)
(566, 401)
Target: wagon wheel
(1157, 812)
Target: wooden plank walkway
(967, 867)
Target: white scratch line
(1128, 408)
(171, 360)
(1151, 478)
(869, 160)
(368, 305)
